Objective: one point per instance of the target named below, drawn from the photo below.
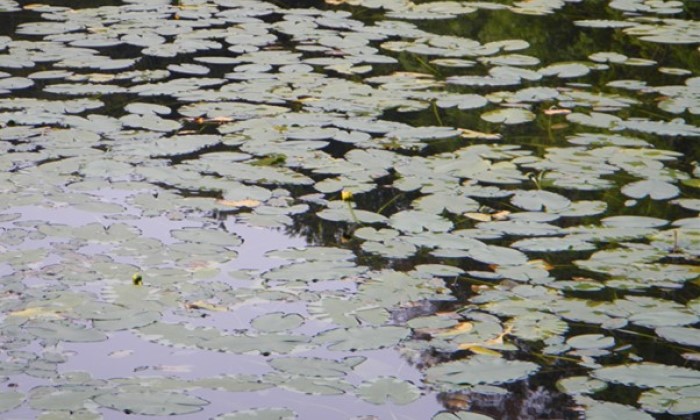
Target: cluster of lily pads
(488, 260)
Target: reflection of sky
(125, 354)
(135, 357)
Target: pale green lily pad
(417, 221)
(10, 400)
(439, 270)
(460, 415)
(362, 338)
(591, 341)
(341, 214)
(383, 390)
(61, 331)
(151, 403)
(479, 370)
(537, 326)
(277, 322)
(570, 243)
(649, 375)
(682, 335)
(62, 397)
(316, 367)
(508, 116)
(391, 248)
(493, 254)
(349, 312)
(539, 200)
(208, 236)
(603, 410)
(315, 271)
(577, 385)
(675, 401)
(233, 383)
(259, 414)
(654, 189)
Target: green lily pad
(460, 415)
(277, 322)
(316, 367)
(607, 410)
(259, 414)
(577, 385)
(63, 397)
(383, 390)
(675, 401)
(10, 400)
(479, 370)
(508, 116)
(537, 326)
(649, 375)
(151, 403)
(681, 335)
(591, 341)
(417, 221)
(362, 338)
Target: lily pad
(479, 370)
(259, 414)
(649, 375)
(383, 390)
(10, 400)
(675, 401)
(362, 338)
(151, 403)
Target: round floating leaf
(10, 400)
(540, 200)
(383, 390)
(570, 243)
(390, 249)
(597, 410)
(460, 415)
(654, 189)
(362, 338)
(591, 341)
(62, 397)
(341, 214)
(276, 322)
(151, 403)
(633, 222)
(316, 367)
(576, 385)
(676, 401)
(537, 326)
(65, 332)
(649, 375)
(479, 370)
(493, 254)
(418, 221)
(208, 236)
(439, 270)
(681, 335)
(316, 253)
(509, 116)
(259, 414)
(315, 270)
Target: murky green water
(352, 209)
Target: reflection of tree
(527, 400)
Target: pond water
(240, 209)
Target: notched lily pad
(479, 370)
(383, 390)
(649, 375)
(151, 403)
